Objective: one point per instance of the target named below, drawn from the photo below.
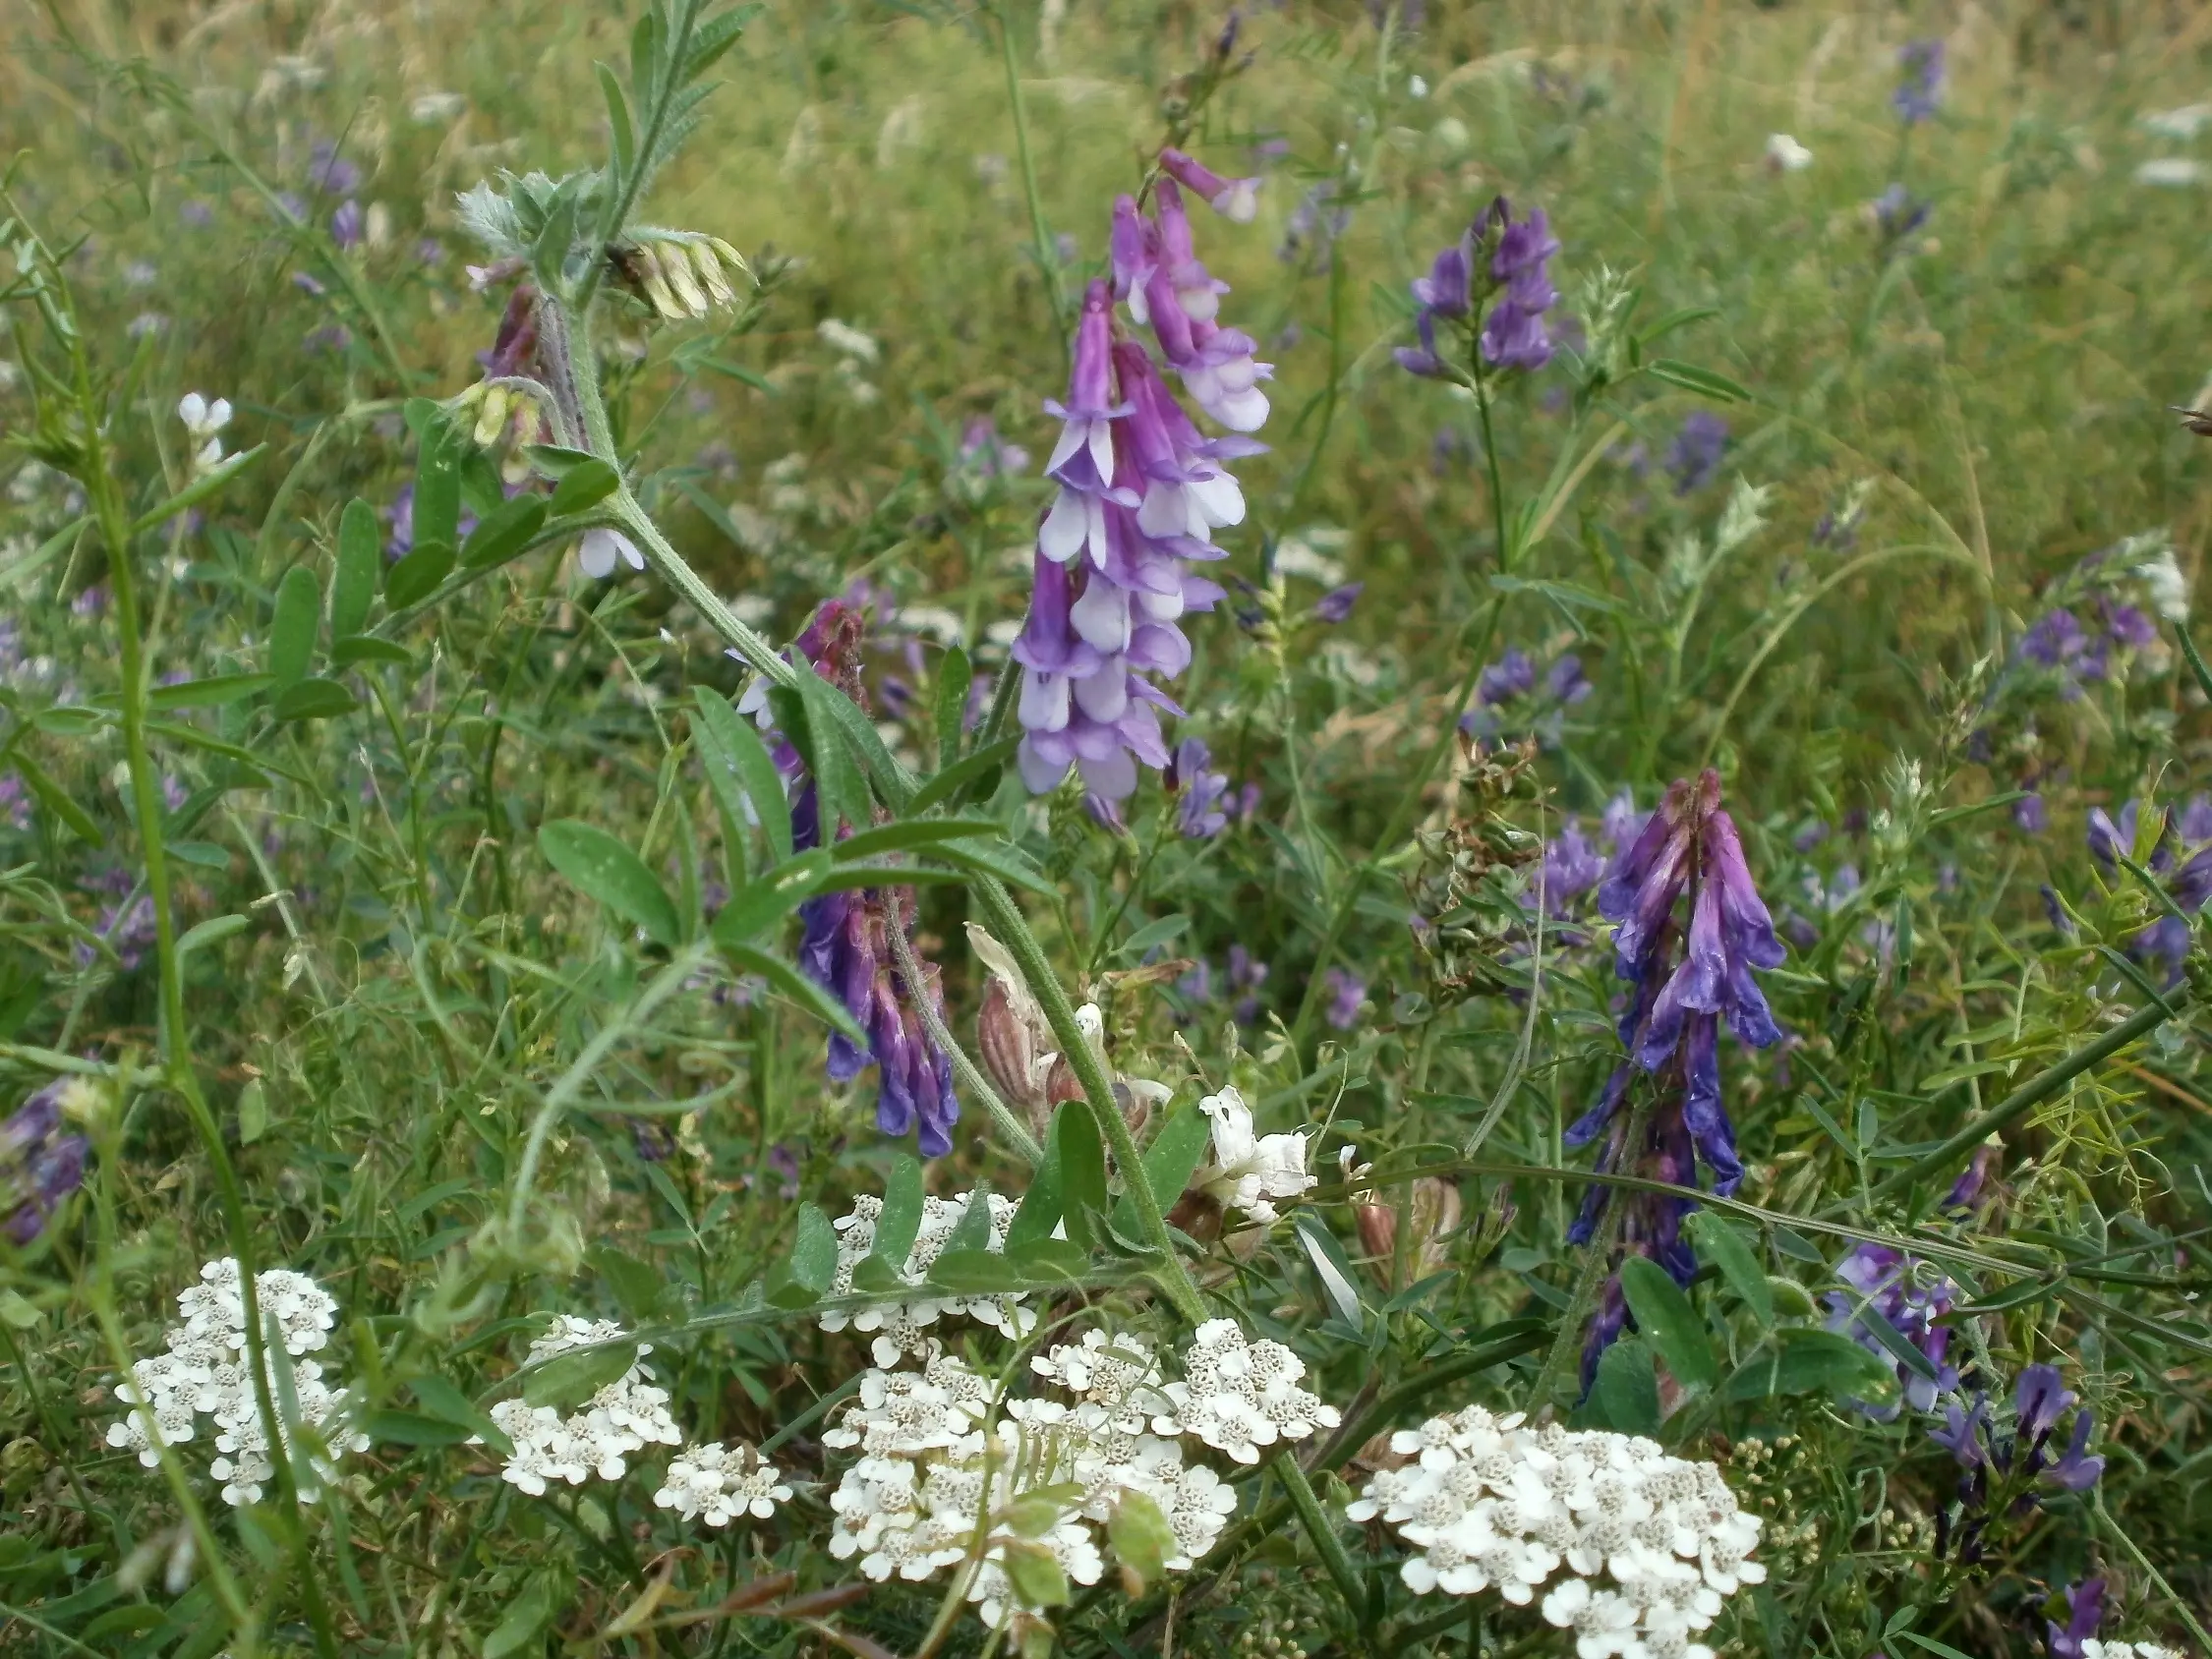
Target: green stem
(2119, 1535)
(95, 475)
(1489, 456)
(1316, 1521)
(1048, 264)
(1008, 921)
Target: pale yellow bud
(677, 269)
(492, 417)
(709, 273)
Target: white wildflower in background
(1651, 1544)
(205, 420)
(2171, 172)
(2183, 122)
(719, 1484)
(847, 341)
(603, 548)
(1249, 1171)
(2092, 1648)
(622, 1418)
(1784, 154)
(900, 1328)
(1239, 1396)
(206, 1372)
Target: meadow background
(1929, 373)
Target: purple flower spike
(39, 1165)
(1141, 491)
(1336, 604)
(1919, 92)
(1687, 979)
(1201, 817)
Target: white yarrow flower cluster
(206, 1372)
(1646, 1546)
(1249, 1172)
(1239, 1396)
(900, 1328)
(719, 1484)
(598, 1438)
(2092, 1648)
(949, 1472)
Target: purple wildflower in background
(1571, 868)
(986, 454)
(1345, 991)
(2030, 815)
(1693, 459)
(15, 802)
(1898, 212)
(1511, 675)
(2023, 1457)
(2085, 1610)
(39, 1165)
(2180, 859)
(1199, 815)
(1141, 492)
(1966, 1191)
(330, 173)
(845, 944)
(345, 226)
(1686, 980)
(1886, 1284)
(1921, 62)
(1336, 604)
(1246, 976)
(1564, 681)
(1314, 223)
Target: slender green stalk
(1048, 262)
(1327, 1543)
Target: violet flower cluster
(1685, 982)
(1497, 255)
(845, 944)
(40, 1164)
(1920, 92)
(1888, 1285)
(2018, 1464)
(2181, 860)
(1141, 491)
(1512, 697)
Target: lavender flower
(1966, 1192)
(1513, 334)
(1235, 200)
(1685, 982)
(1336, 604)
(2030, 815)
(1571, 868)
(1141, 492)
(1346, 991)
(1511, 675)
(1199, 818)
(39, 1165)
(1885, 1285)
(1922, 64)
(845, 941)
(2181, 858)
(331, 173)
(345, 226)
(2085, 1610)
(1694, 458)
(1898, 212)
(1246, 976)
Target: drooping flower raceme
(598, 1439)
(206, 1372)
(846, 946)
(1141, 491)
(1640, 1549)
(2018, 1462)
(1498, 260)
(1684, 982)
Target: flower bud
(1433, 1214)
(675, 266)
(1007, 1044)
(491, 415)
